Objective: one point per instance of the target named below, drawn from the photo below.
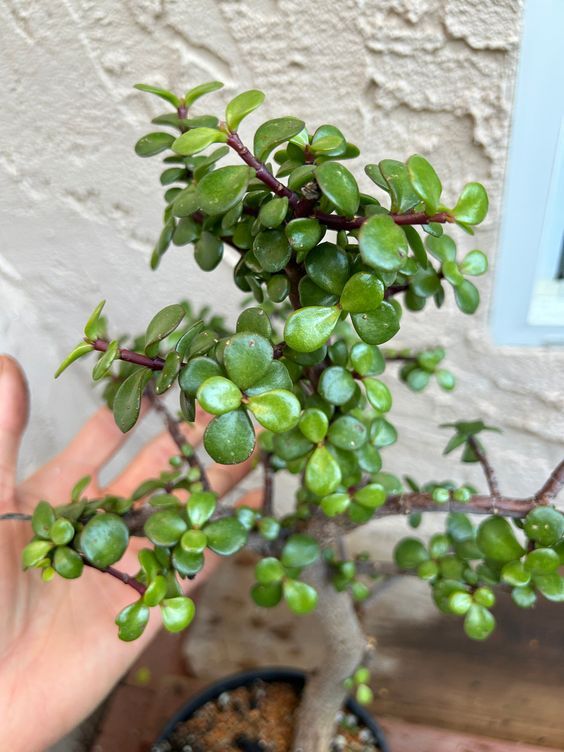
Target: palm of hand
(59, 652)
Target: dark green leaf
(401, 191)
(226, 536)
(467, 297)
(273, 212)
(267, 595)
(201, 505)
(153, 143)
(196, 372)
(409, 553)
(383, 244)
(104, 539)
(425, 181)
(544, 525)
(81, 349)
(273, 133)
(300, 551)
(162, 324)
(378, 326)
(127, 401)
(230, 438)
(497, 540)
(336, 385)
(165, 527)
(363, 292)
(304, 234)
(208, 251)
(479, 623)
(339, 186)
(328, 266)
(272, 250)
(132, 621)
(246, 358)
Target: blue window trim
(533, 214)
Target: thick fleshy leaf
(198, 91)
(226, 536)
(314, 424)
(168, 96)
(153, 143)
(304, 234)
(246, 358)
(255, 320)
(161, 325)
(267, 595)
(544, 525)
(307, 329)
(378, 326)
(272, 250)
(336, 385)
(442, 248)
(348, 433)
(312, 295)
(177, 613)
(196, 372)
(425, 181)
(269, 570)
(497, 541)
(196, 140)
(67, 563)
(479, 623)
(300, 597)
(328, 266)
(378, 394)
(401, 191)
(93, 327)
(273, 133)
(278, 410)
(132, 621)
(165, 527)
(219, 395)
(42, 519)
(472, 205)
(339, 185)
(372, 496)
(169, 372)
(474, 263)
(222, 189)
(322, 474)
(551, 586)
(467, 297)
(363, 292)
(335, 504)
(367, 359)
(201, 505)
(230, 438)
(127, 401)
(208, 251)
(383, 244)
(34, 552)
(81, 349)
(276, 377)
(409, 553)
(104, 364)
(273, 213)
(300, 551)
(104, 539)
(241, 106)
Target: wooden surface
(436, 691)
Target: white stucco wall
(80, 211)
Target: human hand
(59, 651)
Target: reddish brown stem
(486, 467)
(127, 579)
(336, 222)
(155, 364)
(553, 485)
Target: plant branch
(173, 427)
(486, 467)
(129, 356)
(127, 579)
(16, 516)
(268, 485)
(553, 485)
(337, 222)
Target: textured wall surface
(80, 211)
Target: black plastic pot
(291, 676)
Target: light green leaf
(273, 133)
(425, 181)
(474, 263)
(472, 205)
(177, 613)
(220, 190)
(196, 140)
(307, 329)
(383, 244)
(226, 536)
(323, 474)
(241, 106)
(92, 327)
(277, 410)
(363, 292)
(198, 91)
(378, 326)
(81, 349)
(300, 597)
(104, 539)
(168, 96)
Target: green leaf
(267, 595)
(277, 410)
(335, 504)
(416, 245)
(35, 552)
(156, 591)
(339, 186)
(198, 91)
(132, 621)
(371, 496)
(300, 551)
(313, 424)
(222, 189)
(81, 349)
(304, 234)
(322, 474)
(401, 191)
(165, 527)
(336, 385)
(383, 433)
(201, 505)
(479, 623)
(363, 292)
(196, 140)
(378, 326)
(442, 248)
(273, 133)
(367, 359)
(374, 173)
(272, 250)
(61, 532)
(153, 143)
(378, 394)
(42, 519)
(162, 324)
(551, 586)
(105, 362)
(328, 266)
(276, 377)
(92, 327)
(226, 536)
(208, 251)
(104, 539)
(67, 563)
(127, 401)
(383, 244)
(196, 372)
(255, 320)
(425, 182)
(541, 561)
(300, 597)
(544, 525)
(524, 597)
(467, 297)
(169, 372)
(410, 553)
(246, 358)
(177, 613)
(472, 205)
(307, 329)
(497, 540)
(269, 570)
(273, 212)
(230, 438)
(187, 563)
(474, 263)
(348, 433)
(515, 574)
(219, 395)
(241, 106)
(168, 96)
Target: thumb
(13, 419)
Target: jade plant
(326, 271)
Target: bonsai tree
(327, 271)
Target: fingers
(154, 456)
(13, 419)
